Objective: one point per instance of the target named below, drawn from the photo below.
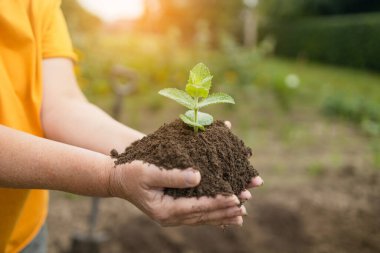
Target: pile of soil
(219, 155)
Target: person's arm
(68, 117)
(27, 161)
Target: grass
(345, 95)
(319, 81)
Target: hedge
(351, 40)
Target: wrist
(122, 180)
(107, 177)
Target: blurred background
(305, 76)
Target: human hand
(255, 182)
(142, 184)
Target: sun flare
(110, 11)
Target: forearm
(82, 124)
(67, 116)
(27, 161)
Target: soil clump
(219, 155)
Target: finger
(230, 217)
(255, 182)
(220, 214)
(228, 124)
(245, 195)
(235, 221)
(238, 221)
(173, 178)
(187, 207)
(245, 213)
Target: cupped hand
(142, 184)
(255, 182)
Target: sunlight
(110, 11)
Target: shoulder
(44, 5)
(42, 12)
(44, 8)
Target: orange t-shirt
(30, 30)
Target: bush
(357, 110)
(351, 40)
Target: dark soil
(219, 155)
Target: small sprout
(196, 97)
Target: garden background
(305, 76)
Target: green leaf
(190, 122)
(199, 83)
(198, 74)
(216, 98)
(204, 119)
(178, 95)
(196, 91)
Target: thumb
(174, 178)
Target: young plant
(196, 97)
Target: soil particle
(219, 155)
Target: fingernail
(245, 195)
(239, 222)
(258, 181)
(236, 200)
(192, 177)
(244, 211)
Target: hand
(255, 182)
(142, 184)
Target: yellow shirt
(30, 30)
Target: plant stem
(196, 114)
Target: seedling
(197, 97)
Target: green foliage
(216, 98)
(204, 119)
(179, 96)
(190, 122)
(358, 110)
(326, 7)
(346, 40)
(98, 53)
(279, 9)
(198, 86)
(199, 81)
(238, 64)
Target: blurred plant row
(349, 40)
(358, 110)
(161, 60)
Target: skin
(73, 157)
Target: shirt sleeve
(56, 40)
